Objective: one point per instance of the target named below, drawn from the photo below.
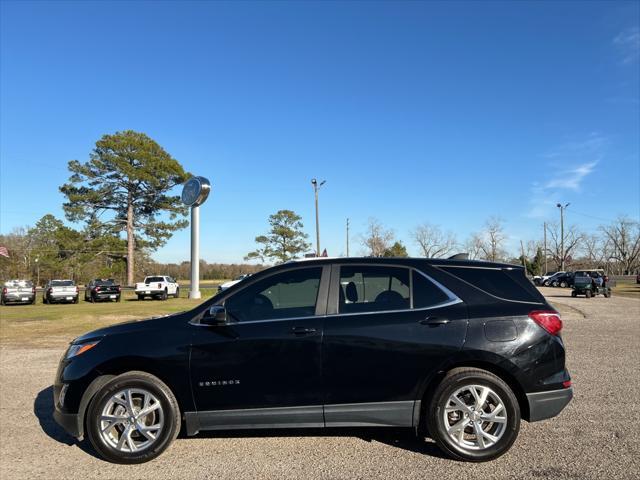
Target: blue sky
(446, 113)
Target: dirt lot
(596, 437)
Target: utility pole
(545, 249)
(562, 208)
(347, 237)
(524, 262)
(316, 188)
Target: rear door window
(373, 289)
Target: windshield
(62, 283)
(154, 279)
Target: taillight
(4, 290)
(77, 289)
(33, 290)
(119, 289)
(566, 384)
(97, 289)
(159, 285)
(49, 290)
(547, 319)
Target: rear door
(387, 329)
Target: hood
(128, 327)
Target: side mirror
(216, 315)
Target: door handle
(434, 321)
(303, 330)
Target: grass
(43, 325)
(627, 289)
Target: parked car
(539, 279)
(18, 291)
(57, 291)
(565, 280)
(550, 279)
(102, 289)
(160, 286)
(231, 283)
(463, 350)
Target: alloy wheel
(475, 417)
(131, 420)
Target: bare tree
(473, 246)
(624, 235)
(491, 240)
(594, 248)
(377, 239)
(572, 238)
(433, 242)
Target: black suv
(457, 350)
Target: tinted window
(425, 293)
(507, 284)
(154, 279)
(62, 283)
(373, 289)
(284, 295)
(104, 283)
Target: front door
(391, 327)
(264, 369)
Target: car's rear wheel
(177, 295)
(164, 295)
(133, 419)
(574, 294)
(140, 297)
(587, 294)
(563, 284)
(473, 415)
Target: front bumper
(543, 405)
(68, 421)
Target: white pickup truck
(159, 286)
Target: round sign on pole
(195, 191)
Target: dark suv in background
(457, 350)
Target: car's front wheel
(133, 419)
(473, 415)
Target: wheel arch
(110, 370)
(431, 383)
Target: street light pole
(347, 237)
(562, 208)
(316, 188)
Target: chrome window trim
(453, 299)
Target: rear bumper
(17, 298)
(543, 405)
(149, 291)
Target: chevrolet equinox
(458, 350)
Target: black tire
(455, 380)
(574, 294)
(92, 299)
(140, 298)
(563, 284)
(177, 294)
(2, 302)
(119, 297)
(75, 300)
(164, 295)
(45, 301)
(165, 437)
(587, 294)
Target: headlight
(79, 349)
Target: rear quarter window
(508, 284)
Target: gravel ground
(595, 437)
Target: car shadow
(43, 410)
(402, 438)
